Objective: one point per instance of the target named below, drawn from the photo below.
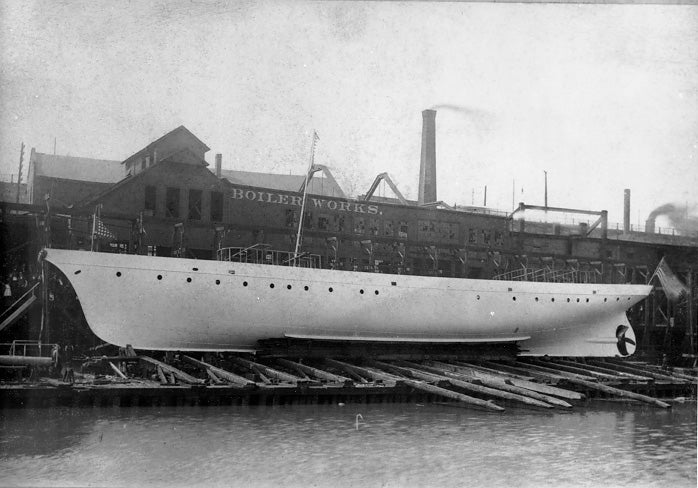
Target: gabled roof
(147, 148)
(76, 168)
(318, 186)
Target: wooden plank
(419, 385)
(213, 377)
(670, 373)
(517, 369)
(547, 369)
(353, 374)
(161, 375)
(466, 385)
(317, 373)
(180, 375)
(594, 366)
(117, 371)
(266, 370)
(516, 380)
(219, 372)
(618, 392)
(493, 382)
(578, 369)
(638, 370)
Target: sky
(602, 97)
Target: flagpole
(94, 229)
(305, 193)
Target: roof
(181, 128)
(318, 186)
(76, 168)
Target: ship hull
(159, 303)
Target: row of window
(427, 230)
(194, 203)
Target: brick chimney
(427, 167)
(219, 164)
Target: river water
(596, 444)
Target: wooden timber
(672, 374)
(493, 382)
(465, 385)
(219, 372)
(161, 375)
(117, 370)
(510, 367)
(419, 385)
(180, 375)
(577, 369)
(517, 380)
(317, 373)
(593, 385)
(636, 370)
(266, 370)
(546, 368)
(592, 367)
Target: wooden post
(219, 372)
(181, 375)
(279, 375)
(422, 386)
(318, 373)
(466, 385)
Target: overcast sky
(603, 97)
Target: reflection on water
(395, 445)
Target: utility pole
(19, 173)
(485, 200)
(546, 188)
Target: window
(359, 226)
(402, 232)
(339, 223)
(308, 221)
(150, 198)
(291, 218)
(172, 202)
(472, 236)
(486, 235)
(388, 228)
(216, 206)
(374, 226)
(142, 164)
(323, 222)
(194, 204)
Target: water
(598, 444)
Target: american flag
(671, 284)
(102, 231)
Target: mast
(305, 193)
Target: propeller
(622, 340)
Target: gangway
(17, 309)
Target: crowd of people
(15, 284)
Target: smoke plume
(683, 219)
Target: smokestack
(427, 167)
(219, 164)
(626, 210)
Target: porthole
(536, 298)
(159, 277)
(618, 299)
(271, 285)
(587, 300)
(288, 287)
(577, 300)
(477, 296)
(552, 299)
(376, 292)
(605, 299)
(188, 280)
(513, 298)
(118, 273)
(331, 290)
(568, 300)
(628, 298)
(195, 269)
(305, 287)
(218, 282)
(244, 283)
(78, 272)
(361, 291)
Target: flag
(101, 231)
(671, 284)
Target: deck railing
(262, 254)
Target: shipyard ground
(137, 380)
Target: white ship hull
(160, 303)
